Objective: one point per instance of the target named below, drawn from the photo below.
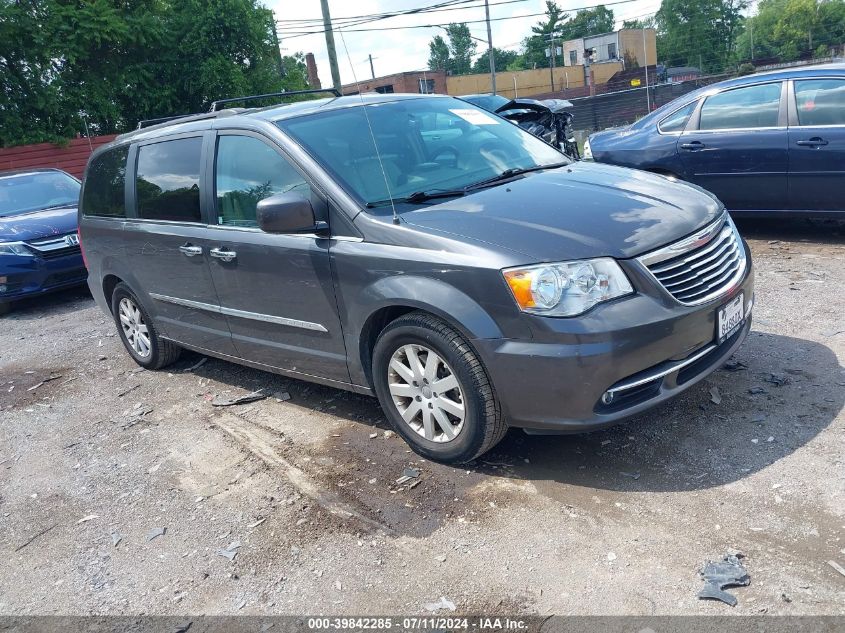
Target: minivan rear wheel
(435, 391)
(138, 332)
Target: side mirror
(287, 213)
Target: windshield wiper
(418, 196)
(510, 173)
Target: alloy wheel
(426, 392)
(134, 328)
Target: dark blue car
(39, 244)
(772, 142)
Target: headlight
(15, 248)
(588, 153)
(567, 288)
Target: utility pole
(490, 47)
(327, 26)
(551, 41)
(278, 47)
(372, 69)
(645, 59)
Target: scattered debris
(35, 536)
(128, 390)
(734, 365)
(411, 472)
(634, 476)
(116, 539)
(136, 416)
(777, 380)
(282, 396)
(257, 523)
(46, 380)
(443, 603)
(715, 396)
(155, 533)
(728, 572)
(250, 397)
(373, 436)
(388, 434)
(90, 517)
(230, 551)
(836, 566)
(611, 556)
(756, 390)
(202, 361)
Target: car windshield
(34, 191)
(488, 102)
(425, 146)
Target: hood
(31, 226)
(546, 105)
(582, 210)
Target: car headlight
(588, 153)
(567, 288)
(15, 248)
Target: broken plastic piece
(250, 397)
(728, 572)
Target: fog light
(607, 397)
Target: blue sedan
(767, 143)
(39, 244)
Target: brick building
(417, 82)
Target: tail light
(81, 250)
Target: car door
(736, 146)
(817, 145)
(165, 242)
(276, 290)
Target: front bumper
(22, 277)
(643, 349)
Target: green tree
(461, 49)
(588, 22)
(698, 32)
(438, 58)
(789, 29)
(504, 59)
(535, 45)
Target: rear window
(821, 101)
(677, 121)
(103, 194)
(168, 180)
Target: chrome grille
(701, 267)
(54, 247)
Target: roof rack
(148, 122)
(288, 93)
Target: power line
(429, 26)
(450, 5)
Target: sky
(407, 49)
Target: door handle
(693, 145)
(223, 255)
(813, 142)
(190, 250)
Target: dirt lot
(95, 455)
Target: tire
(150, 351)
(481, 426)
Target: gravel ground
(97, 457)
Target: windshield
(425, 145)
(33, 191)
(488, 102)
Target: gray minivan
(420, 249)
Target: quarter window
(104, 184)
(677, 121)
(751, 107)
(820, 101)
(248, 170)
(168, 180)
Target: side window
(168, 180)
(247, 171)
(104, 184)
(677, 121)
(820, 101)
(752, 107)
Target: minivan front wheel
(138, 332)
(434, 390)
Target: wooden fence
(71, 158)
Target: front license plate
(729, 318)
